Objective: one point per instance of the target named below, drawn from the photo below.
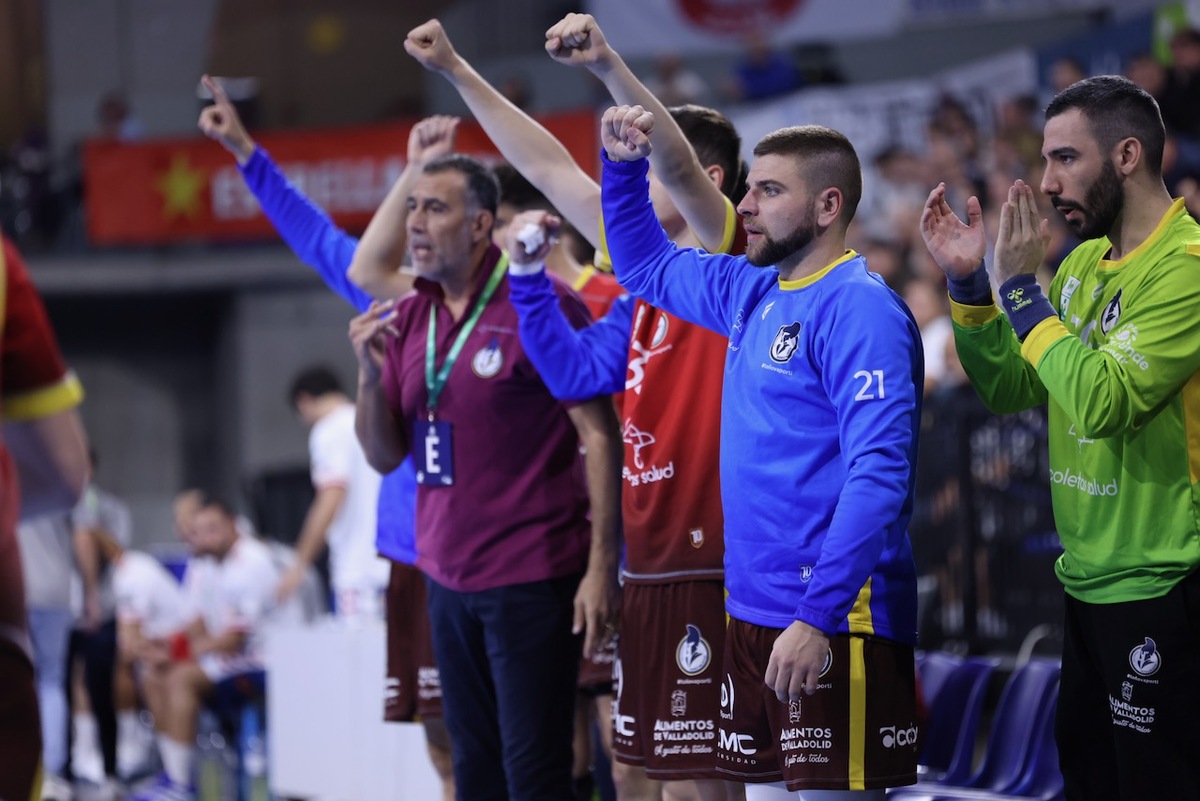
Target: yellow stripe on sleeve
(1043, 335)
(66, 394)
(972, 316)
(1190, 398)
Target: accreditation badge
(433, 456)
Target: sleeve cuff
(635, 167)
(1043, 335)
(1025, 304)
(971, 316)
(974, 290)
(40, 403)
(533, 268)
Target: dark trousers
(509, 665)
(97, 649)
(1130, 698)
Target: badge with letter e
(433, 456)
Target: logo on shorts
(1126, 691)
(660, 331)
(487, 362)
(794, 711)
(787, 341)
(806, 573)
(696, 537)
(896, 737)
(828, 662)
(727, 697)
(622, 724)
(693, 654)
(1145, 658)
(679, 703)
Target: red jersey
(34, 383)
(671, 422)
(598, 290)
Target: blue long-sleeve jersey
(576, 364)
(819, 422)
(319, 243)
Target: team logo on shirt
(1145, 659)
(660, 331)
(806, 573)
(786, 343)
(1064, 298)
(696, 537)
(1112, 313)
(693, 653)
(634, 436)
(486, 363)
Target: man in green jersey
(1115, 353)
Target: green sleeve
(1143, 361)
(991, 355)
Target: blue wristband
(974, 290)
(1024, 303)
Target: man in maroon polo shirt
(503, 528)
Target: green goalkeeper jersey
(1118, 369)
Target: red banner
(152, 193)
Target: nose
(747, 207)
(1050, 184)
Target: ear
(481, 226)
(828, 206)
(1127, 155)
(716, 174)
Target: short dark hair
(482, 187)
(314, 382)
(1115, 108)
(518, 192)
(716, 141)
(207, 499)
(826, 159)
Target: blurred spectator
(1179, 101)
(926, 299)
(1065, 71)
(892, 202)
(761, 72)
(886, 260)
(676, 85)
(115, 119)
(28, 186)
(1017, 146)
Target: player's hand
(577, 40)
(368, 335)
(625, 133)
(221, 122)
(1023, 238)
(597, 608)
(429, 44)
(796, 661)
(432, 138)
(531, 234)
(956, 247)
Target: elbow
(381, 461)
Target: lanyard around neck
(435, 380)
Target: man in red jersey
(43, 468)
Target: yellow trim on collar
(1176, 209)
(1043, 335)
(972, 316)
(809, 280)
(585, 275)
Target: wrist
(532, 268)
(244, 151)
(973, 289)
(1025, 304)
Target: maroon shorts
(20, 727)
(596, 670)
(412, 688)
(858, 731)
(667, 678)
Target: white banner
(652, 27)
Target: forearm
(231, 642)
(991, 356)
(532, 150)
(383, 441)
(575, 364)
(673, 158)
(313, 532)
(87, 558)
(52, 462)
(379, 257)
(600, 435)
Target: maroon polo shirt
(517, 511)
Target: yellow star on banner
(180, 186)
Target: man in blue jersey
(820, 413)
(412, 686)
